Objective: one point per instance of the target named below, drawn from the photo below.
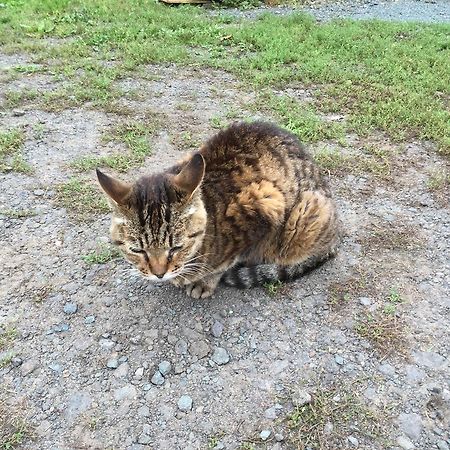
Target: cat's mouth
(158, 280)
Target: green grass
(17, 213)
(273, 288)
(101, 255)
(80, 198)
(8, 334)
(438, 180)
(337, 405)
(11, 158)
(135, 136)
(388, 76)
(14, 429)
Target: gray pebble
(200, 349)
(411, 425)
(220, 356)
(265, 434)
(270, 413)
(139, 373)
(339, 359)
(405, 443)
(301, 398)
(442, 445)
(279, 437)
(112, 363)
(157, 378)
(219, 446)
(353, 441)
(16, 362)
(61, 328)
(185, 403)
(70, 308)
(55, 367)
(217, 329)
(164, 367)
(365, 301)
(144, 411)
(123, 359)
(181, 347)
(144, 439)
(89, 319)
(147, 387)
(18, 113)
(126, 392)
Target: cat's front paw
(199, 289)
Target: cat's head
(159, 221)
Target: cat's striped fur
(250, 207)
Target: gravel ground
(103, 360)
(400, 10)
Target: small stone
(219, 446)
(147, 387)
(112, 363)
(301, 398)
(126, 392)
(339, 359)
(39, 192)
(18, 113)
(265, 434)
(164, 367)
(139, 373)
(185, 403)
(442, 445)
(217, 329)
(328, 428)
(61, 328)
(157, 378)
(122, 370)
(144, 439)
(29, 366)
(365, 301)
(270, 413)
(181, 347)
(16, 362)
(200, 349)
(279, 437)
(429, 359)
(405, 443)
(411, 425)
(144, 411)
(70, 308)
(55, 367)
(353, 441)
(220, 356)
(89, 319)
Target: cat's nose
(160, 275)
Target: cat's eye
(137, 250)
(173, 250)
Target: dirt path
(367, 335)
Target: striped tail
(242, 276)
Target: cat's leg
(204, 287)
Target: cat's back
(246, 153)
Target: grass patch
(8, 334)
(299, 118)
(273, 288)
(101, 255)
(135, 136)
(14, 429)
(334, 413)
(80, 198)
(11, 158)
(438, 180)
(18, 213)
(384, 330)
(381, 75)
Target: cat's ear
(190, 177)
(117, 190)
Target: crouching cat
(249, 207)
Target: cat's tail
(243, 276)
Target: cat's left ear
(191, 176)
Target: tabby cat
(249, 207)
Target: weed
(333, 414)
(6, 358)
(101, 255)
(217, 122)
(273, 288)
(14, 429)
(18, 213)
(11, 159)
(7, 336)
(438, 180)
(81, 198)
(384, 330)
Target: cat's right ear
(118, 191)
